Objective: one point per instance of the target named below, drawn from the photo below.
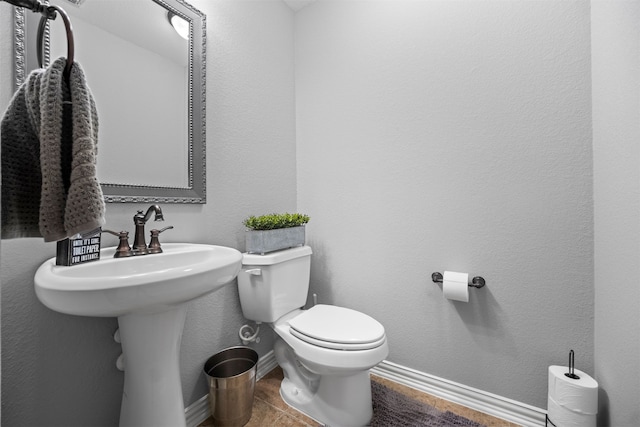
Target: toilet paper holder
(476, 282)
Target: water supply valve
(247, 334)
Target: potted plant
(272, 232)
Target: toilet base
(338, 401)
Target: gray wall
(59, 370)
(616, 136)
(453, 136)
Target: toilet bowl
(325, 338)
(329, 384)
(325, 352)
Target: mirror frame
(195, 192)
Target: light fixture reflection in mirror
(180, 25)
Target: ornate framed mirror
(149, 85)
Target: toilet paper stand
(476, 282)
(572, 397)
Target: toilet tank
(274, 284)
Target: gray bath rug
(393, 409)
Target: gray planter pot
(264, 241)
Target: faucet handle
(154, 244)
(123, 250)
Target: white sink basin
(148, 294)
(111, 287)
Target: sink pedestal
(152, 394)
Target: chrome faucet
(139, 220)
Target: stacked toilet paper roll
(571, 402)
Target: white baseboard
(266, 364)
(492, 404)
(199, 410)
(488, 403)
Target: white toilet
(325, 352)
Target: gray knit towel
(35, 200)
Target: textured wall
(453, 136)
(616, 132)
(59, 370)
(437, 135)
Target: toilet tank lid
(275, 257)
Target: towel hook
(51, 14)
(476, 282)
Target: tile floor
(269, 410)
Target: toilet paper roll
(580, 396)
(564, 417)
(455, 286)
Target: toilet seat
(337, 328)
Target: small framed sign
(84, 247)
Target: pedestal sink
(148, 295)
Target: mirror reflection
(140, 86)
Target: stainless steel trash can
(231, 376)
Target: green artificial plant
(273, 221)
